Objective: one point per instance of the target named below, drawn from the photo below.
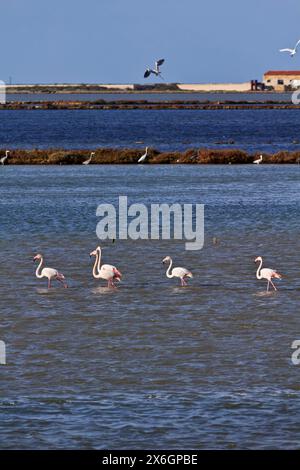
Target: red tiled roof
(283, 72)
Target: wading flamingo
(259, 160)
(88, 161)
(182, 273)
(266, 273)
(49, 273)
(3, 159)
(143, 157)
(106, 271)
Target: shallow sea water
(150, 364)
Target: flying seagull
(291, 51)
(156, 70)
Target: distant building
(281, 80)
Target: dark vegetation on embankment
(72, 88)
(102, 104)
(131, 156)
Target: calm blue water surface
(149, 365)
(252, 130)
(149, 96)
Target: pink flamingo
(50, 273)
(107, 271)
(266, 273)
(182, 273)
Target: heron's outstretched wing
(285, 50)
(159, 62)
(147, 73)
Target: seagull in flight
(291, 51)
(156, 70)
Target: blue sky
(113, 40)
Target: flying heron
(156, 70)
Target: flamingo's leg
(272, 284)
(268, 286)
(49, 283)
(110, 283)
(63, 282)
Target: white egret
(3, 159)
(259, 160)
(143, 157)
(88, 161)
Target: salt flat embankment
(146, 104)
(129, 87)
(131, 156)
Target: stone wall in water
(131, 156)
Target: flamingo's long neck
(168, 274)
(96, 268)
(99, 258)
(37, 273)
(258, 275)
